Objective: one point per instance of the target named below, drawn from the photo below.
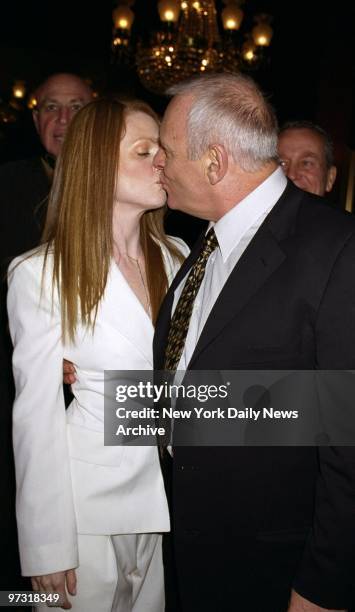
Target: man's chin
(54, 150)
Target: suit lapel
(259, 261)
(121, 309)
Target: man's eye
(307, 163)
(50, 108)
(76, 107)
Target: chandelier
(189, 41)
(10, 110)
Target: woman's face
(138, 183)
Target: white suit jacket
(68, 482)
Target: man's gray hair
(229, 109)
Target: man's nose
(159, 159)
(64, 115)
(292, 170)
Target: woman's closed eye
(147, 152)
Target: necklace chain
(136, 261)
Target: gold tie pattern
(181, 318)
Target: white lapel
(121, 309)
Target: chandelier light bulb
(122, 17)
(32, 103)
(169, 10)
(249, 50)
(232, 17)
(19, 90)
(262, 34)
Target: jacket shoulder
(31, 264)
(316, 208)
(11, 171)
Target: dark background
(309, 75)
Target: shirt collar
(235, 223)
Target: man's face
(182, 179)
(302, 158)
(59, 98)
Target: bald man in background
(25, 184)
(24, 188)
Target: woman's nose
(159, 159)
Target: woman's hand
(59, 582)
(68, 372)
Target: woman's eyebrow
(148, 138)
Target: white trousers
(119, 573)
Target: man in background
(306, 156)
(24, 188)
(25, 184)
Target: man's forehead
(298, 142)
(175, 117)
(63, 89)
(307, 137)
(178, 108)
(60, 96)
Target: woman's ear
(216, 163)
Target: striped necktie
(181, 318)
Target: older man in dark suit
(261, 529)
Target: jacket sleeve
(326, 574)
(44, 504)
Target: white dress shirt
(234, 232)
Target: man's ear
(35, 118)
(331, 176)
(216, 163)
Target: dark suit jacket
(250, 523)
(24, 188)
